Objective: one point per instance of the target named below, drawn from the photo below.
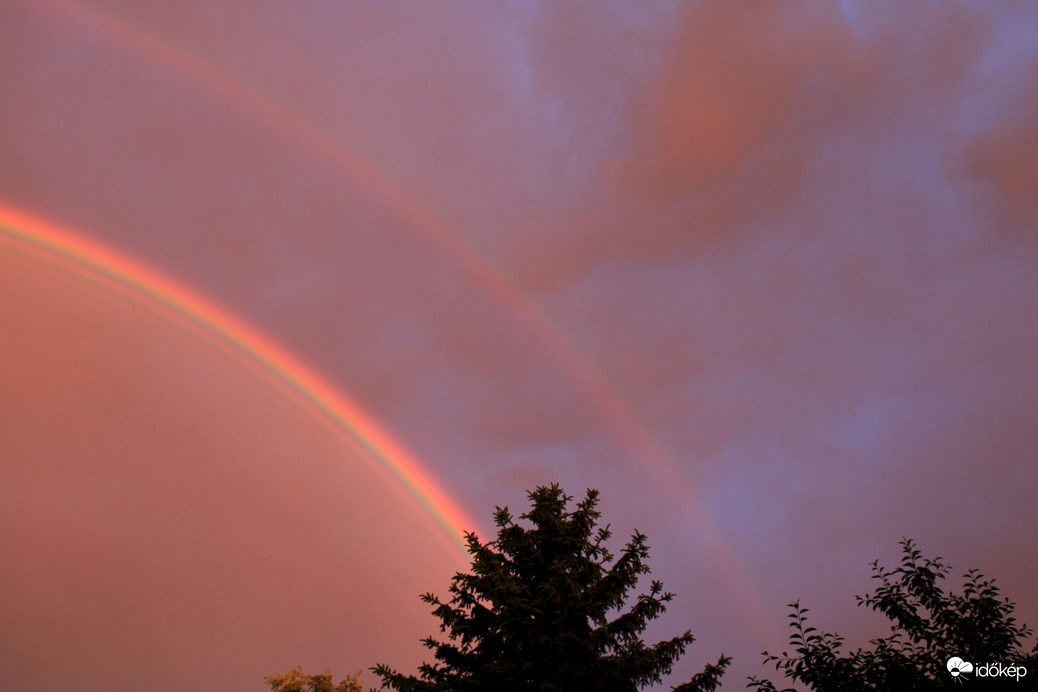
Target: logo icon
(957, 667)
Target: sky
(763, 273)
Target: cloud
(740, 117)
(1005, 156)
(737, 75)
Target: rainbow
(36, 238)
(433, 227)
(420, 218)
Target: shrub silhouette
(929, 628)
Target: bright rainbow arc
(433, 228)
(50, 243)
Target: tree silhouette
(298, 681)
(543, 610)
(929, 629)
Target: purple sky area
(764, 273)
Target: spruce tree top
(543, 610)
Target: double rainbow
(429, 225)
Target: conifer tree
(543, 610)
(299, 681)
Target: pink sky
(764, 273)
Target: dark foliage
(299, 681)
(929, 627)
(543, 610)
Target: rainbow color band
(37, 238)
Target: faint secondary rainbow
(431, 225)
(43, 240)
(418, 216)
